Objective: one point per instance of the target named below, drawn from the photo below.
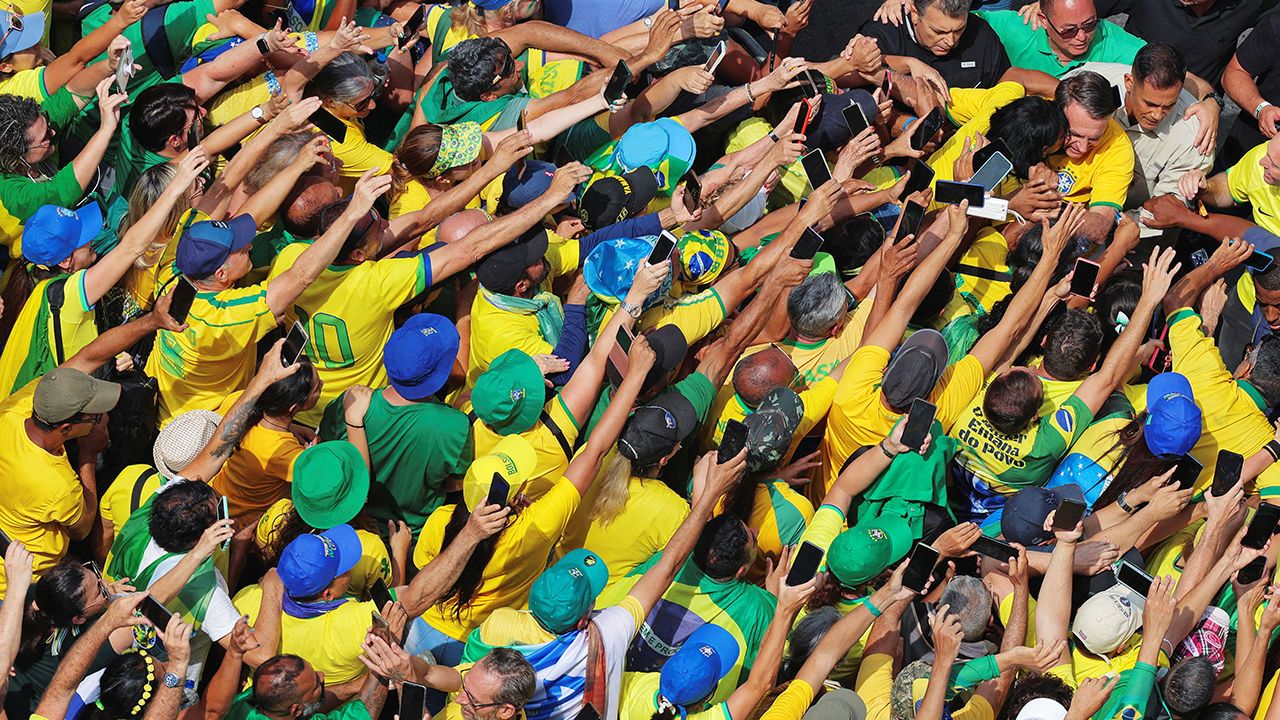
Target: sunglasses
(1071, 31)
(508, 67)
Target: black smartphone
(984, 154)
(692, 192)
(920, 567)
(995, 549)
(929, 127)
(815, 166)
(329, 124)
(1116, 98)
(809, 81)
(294, 343)
(412, 26)
(1187, 472)
(184, 294)
(499, 491)
(1226, 473)
(808, 245)
(732, 442)
(1259, 261)
(413, 701)
(919, 421)
(380, 595)
(1085, 278)
(855, 119)
(4, 543)
(588, 711)
(662, 249)
(804, 566)
(1252, 572)
(1068, 515)
(673, 5)
(921, 178)
(618, 364)
(1261, 527)
(954, 193)
(1133, 577)
(158, 614)
(617, 82)
(912, 215)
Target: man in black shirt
(962, 48)
(1252, 79)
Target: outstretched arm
(434, 580)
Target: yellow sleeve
(549, 514)
(792, 703)
(26, 83)
(358, 155)
(432, 536)
(1113, 170)
(960, 385)
(1196, 356)
(826, 524)
(559, 414)
(1246, 175)
(865, 371)
(695, 315)
(400, 279)
(633, 608)
(968, 103)
(875, 680)
(817, 403)
(564, 255)
(976, 709)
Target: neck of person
(48, 441)
(279, 422)
(391, 396)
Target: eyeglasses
(92, 567)
(508, 67)
(1069, 32)
(471, 699)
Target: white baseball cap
(1107, 620)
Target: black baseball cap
(653, 430)
(505, 267)
(915, 368)
(617, 197)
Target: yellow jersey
(330, 642)
(1103, 177)
(258, 473)
(1248, 186)
(552, 457)
(76, 319)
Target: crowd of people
(639, 359)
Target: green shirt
(414, 449)
(132, 159)
(20, 196)
(181, 20)
(1030, 49)
(242, 708)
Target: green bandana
(546, 306)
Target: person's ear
(1128, 83)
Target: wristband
(885, 450)
(351, 424)
(871, 608)
(773, 136)
(1273, 449)
(750, 95)
(1257, 112)
(908, 122)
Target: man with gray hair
(941, 34)
(968, 600)
(497, 687)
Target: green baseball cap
(508, 396)
(866, 549)
(330, 484)
(565, 592)
(63, 392)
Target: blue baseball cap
(311, 562)
(526, 181)
(53, 233)
(420, 354)
(698, 666)
(664, 146)
(1173, 419)
(30, 34)
(206, 245)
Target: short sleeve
(959, 387)
(792, 703)
(432, 536)
(181, 21)
(1256, 54)
(549, 514)
(700, 393)
(1194, 354)
(1114, 170)
(401, 279)
(358, 155)
(1244, 176)
(696, 315)
(22, 196)
(827, 522)
(817, 403)
(865, 371)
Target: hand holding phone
(184, 295)
(1085, 278)
(1226, 473)
(804, 565)
(1068, 515)
(662, 249)
(294, 343)
(919, 422)
(617, 83)
(499, 491)
(732, 442)
(920, 567)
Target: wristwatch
(1124, 505)
(257, 113)
(263, 47)
(632, 310)
(171, 680)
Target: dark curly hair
(721, 549)
(180, 515)
(1034, 685)
(472, 64)
(19, 114)
(59, 598)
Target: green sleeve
(22, 196)
(1124, 44)
(61, 108)
(1130, 702)
(973, 672)
(352, 709)
(698, 391)
(181, 20)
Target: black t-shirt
(1257, 55)
(1205, 41)
(978, 60)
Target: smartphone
(809, 84)
(929, 127)
(920, 567)
(886, 85)
(1259, 261)
(1252, 572)
(413, 701)
(1116, 98)
(1261, 527)
(921, 178)
(1068, 515)
(662, 249)
(1159, 357)
(617, 83)
(692, 192)
(412, 27)
(1085, 278)
(618, 363)
(815, 166)
(327, 123)
(588, 712)
(224, 513)
(912, 215)
(855, 119)
(1226, 473)
(158, 614)
(4, 543)
(808, 245)
(1133, 577)
(995, 549)
(983, 155)
(806, 115)
(125, 69)
(717, 54)
(1187, 472)
(499, 491)
(184, 294)
(805, 564)
(954, 193)
(919, 421)
(992, 172)
(294, 343)
(380, 595)
(673, 5)
(732, 442)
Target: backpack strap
(135, 500)
(56, 293)
(556, 432)
(156, 42)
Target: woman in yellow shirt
(348, 89)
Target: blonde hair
(471, 18)
(146, 192)
(415, 157)
(611, 487)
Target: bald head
(460, 224)
(302, 206)
(756, 375)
